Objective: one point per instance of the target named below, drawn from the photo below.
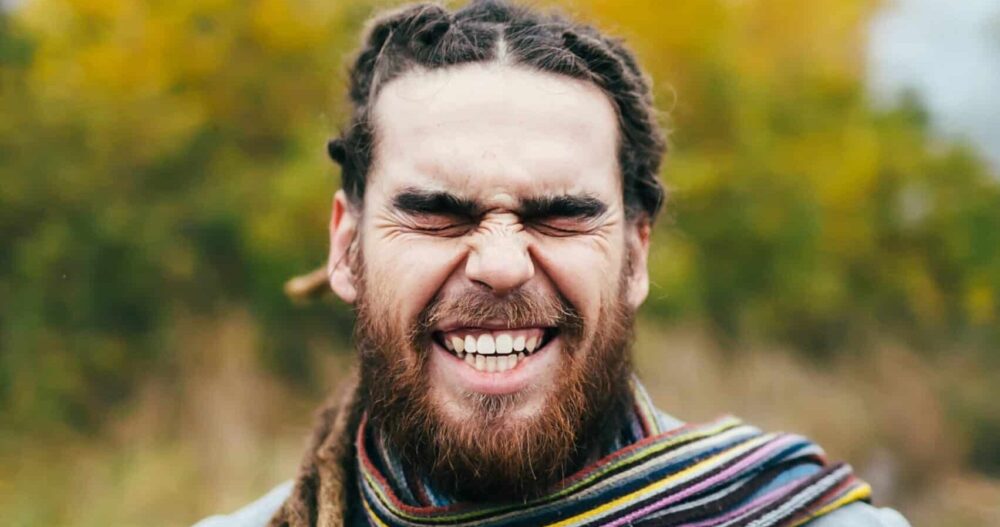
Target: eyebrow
(562, 206)
(420, 201)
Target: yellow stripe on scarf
(860, 493)
(663, 483)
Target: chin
(496, 411)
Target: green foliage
(800, 212)
(159, 159)
(165, 159)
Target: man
(499, 183)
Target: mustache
(519, 308)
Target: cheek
(585, 271)
(408, 272)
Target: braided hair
(428, 36)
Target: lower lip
(528, 370)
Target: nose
(500, 261)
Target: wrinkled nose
(501, 262)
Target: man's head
(499, 182)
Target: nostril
(482, 284)
(501, 265)
(498, 290)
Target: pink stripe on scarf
(763, 500)
(735, 469)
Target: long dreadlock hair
(428, 36)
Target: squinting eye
(447, 229)
(440, 225)
(563, 226)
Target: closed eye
(439, 224)
(562, 226)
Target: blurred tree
(799, 210)
(158, 158)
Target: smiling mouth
(494, 351)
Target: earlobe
(638, 247)
(343, 229)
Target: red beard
(492, 456)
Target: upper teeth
(505, 344)
(486, 345)
(493, 351)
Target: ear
(343, 229)
(637, 239)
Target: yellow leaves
(980, 302)
(276, 25)
(104, 10)
(924, 295)
(672, 264)
(692, 27)
(690, 175)
(99, 58)
(118, 69)
(764, 39)
(840, 168)
(778, 37)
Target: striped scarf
(720, 473)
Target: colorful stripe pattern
(723, 473)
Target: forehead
(495, 132)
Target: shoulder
(857, 514)
(860, 514)
(256, 514)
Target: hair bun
(433, 30)
(336, 150)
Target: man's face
(493, 220)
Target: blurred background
(829, 262)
